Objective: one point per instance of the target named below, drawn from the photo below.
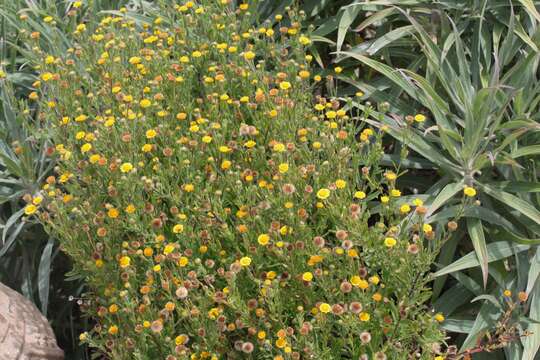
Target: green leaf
(495, 251)
(446, 194)
(531, 8)
(492, 299)
(513, 201)
(347, 18)
(376, 17)
(44, 275)
(476, 232)
(534, 271)
(526, 151)
(374, 46)
(517, 186)
(460, 326)
(531, 343)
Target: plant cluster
(216, 208)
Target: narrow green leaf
(495, 251)
(513, 201)
(534, 271)
(531, 343)
(347, 18)
(44, 275)
(446, 194)
(476, 232)
(531, 8)
(460, 326)
(526, 151)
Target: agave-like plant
(476, 79)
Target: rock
(25, 333)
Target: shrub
(216, 208)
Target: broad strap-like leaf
(531, 343)
(347, 18)
(44, 275)
(495, 251)
(476, 233)
(446, 194)
(512, 201)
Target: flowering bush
(216, 208)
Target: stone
(25, 333)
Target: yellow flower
(178, 228)
(245, 261)
(390, 175)
(189, 187)
(469, 191)
(390, 242)
(183, 261)
(304, 74)
(279, 147)
(81, 118)
(250, 144)
(169, 248)
(427, 228)
(249, 55)
(323, 194)
(30, 209)
(364, 316)
(135, 60)
(226, 164)
(125, 261)
(113, 330)
(325, 308)
(405, 208)
(338, 69)
(307, 276)
(439, 317)
(146, 148)
(47, 76)
(144, 103)
(126, 167)
(341, 184)
(304, 40)
(395, 193)
(263, 239)
(151, 133)
(419, 118)
(86, 147)
(283, 168)
(284, 85)
(360, 195)
(113, 213)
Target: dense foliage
(447, 93)
(219, 209)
